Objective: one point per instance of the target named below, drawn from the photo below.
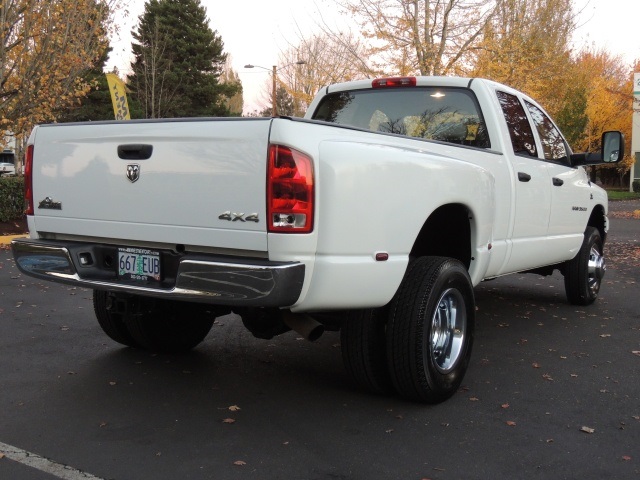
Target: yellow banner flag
(118, 97)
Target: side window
(520, 131)
(553, 145)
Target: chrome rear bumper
(195, 277)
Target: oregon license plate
(138, 264)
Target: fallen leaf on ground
(588, 430)
(239, 463)
(511, 423)
(546, 376)
(636, 352)
(626, 458)
(605, 335)
(228, 420)
(234, 408)
(535, 365)
(505, 405)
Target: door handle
(558, 182)
(135, 151)
(524, 177)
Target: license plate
(138, 264)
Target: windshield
(445, 114)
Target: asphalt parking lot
(553, 391)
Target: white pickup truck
(376, 214)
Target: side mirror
(612, 147)
(612, 151)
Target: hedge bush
(636, 186)
(11, 198)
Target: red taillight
(290, 192)
(394, 82)
(28, 180)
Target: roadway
(553, 391)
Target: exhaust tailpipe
(306, 326)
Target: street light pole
(274, 79)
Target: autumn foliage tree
(235, 103)
(47, 46)
(329, 58)
(607, 86)
(526, 45)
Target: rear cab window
(522, 139)
(445, 114)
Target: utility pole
(274, 80)
(274, 108)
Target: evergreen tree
(178, 62)
(285, 104)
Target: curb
(6, 240)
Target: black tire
(168, 326)
(427, 363)
(363, 344)
(111, 323)
(583, 275)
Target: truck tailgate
(203, 182)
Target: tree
(47, 46)
(96, 105)
(429, 37)
(178, 62)
(329, 58)
(235, 104)
(527, 46)
(285, 103)
(608, 85)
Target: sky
(255, 31)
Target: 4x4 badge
(133, 172)
(235, 217)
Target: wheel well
(597, 220)
(447, 233)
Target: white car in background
(7, 166)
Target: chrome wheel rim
(596, 269)
(448, 331)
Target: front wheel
(583, 275)
(430, 329)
